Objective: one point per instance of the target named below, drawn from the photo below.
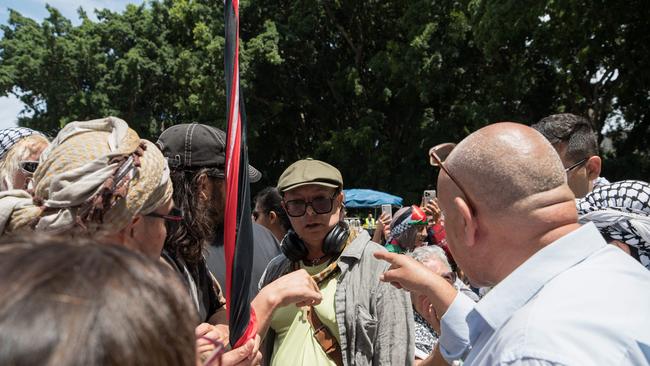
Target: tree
(366, 85)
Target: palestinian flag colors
(238, 227)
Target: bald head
(504, 163)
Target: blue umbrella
(356, 198)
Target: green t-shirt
(294, 342)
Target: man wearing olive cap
(360, 321)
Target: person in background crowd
(359, 320)
(553, 278)
(575, 140)
(621, 212)
(435, 227)
(20, 149)
(427, 326)
(408, 230)
(269, 213)
(369, 222)
(382, 229)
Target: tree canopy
(366, 85)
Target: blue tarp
(368, 198)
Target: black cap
(194, 145)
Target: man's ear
(594, 164)
(202, 185)
(469, 222)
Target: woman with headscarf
(99, 179)
(621, 212)
(408, 230)
(20, 148)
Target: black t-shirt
(266, 247)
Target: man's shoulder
(582, 314)
(363, 248)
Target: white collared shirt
(578, 301)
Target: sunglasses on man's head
(320, 205)
(28, 167)
(437, 156)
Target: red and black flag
(238, 227)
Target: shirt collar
(513, 292)
(354, 250)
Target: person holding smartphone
(408, 230)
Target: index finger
(392, 258)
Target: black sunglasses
(175, 215)
(28, 167)
(320, 205)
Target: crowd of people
(112, 254)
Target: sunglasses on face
(28, 167)
(256, 215)
(320, 205)
(437, 156)
(175, 215)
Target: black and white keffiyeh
(10, 136)
(620, 211)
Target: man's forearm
(441, 294)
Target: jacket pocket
(365, 334)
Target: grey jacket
(375, 319)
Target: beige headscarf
(95, 177)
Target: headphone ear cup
(293, 247)
(336, 238)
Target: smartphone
(428, 196)
(388, 210)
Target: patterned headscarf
(10, 137)
(403, 220)
(95, 177)
(621, 211)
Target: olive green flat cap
(310, 171)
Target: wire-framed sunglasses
(582, 161)
(437, 156)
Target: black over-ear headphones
(294, 248)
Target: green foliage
(366, 85)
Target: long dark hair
(186, 239)
(76, 302)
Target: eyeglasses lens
(439, 153)
(321, 205)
